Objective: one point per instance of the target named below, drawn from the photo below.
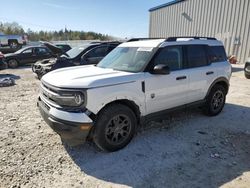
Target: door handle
(209, 72)
(181, 78)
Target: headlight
(79, 99)
(73, 99)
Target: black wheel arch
(131, 104)
(219, 81)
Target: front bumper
(73, 128)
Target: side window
(41, 51)
(196, 56)
(97, 52)
(217, 54)
(170, 56)
(28, 51)
(111, 47)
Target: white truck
(137, 82)
(13, 41)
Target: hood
(10, 55)
(53, 48)
(88, 77)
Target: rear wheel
(215, 101)
(12, 63)
(114, 127)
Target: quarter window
(170, 56)
(217, 54)
(196, 56)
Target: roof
(165, 5)
(144, 43)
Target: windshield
(129, 59)
(76, 51)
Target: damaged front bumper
(73, 127)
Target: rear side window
(196, 56)
(217, 54)
(170, 56)
(98, 52)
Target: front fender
(98, 98)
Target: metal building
(227, 20)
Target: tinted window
(27, 51)
(97, 52)
(111, 47)
(41, 51)
(196, 56)
(217, 54)
(170, 56)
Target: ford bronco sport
(137, 81)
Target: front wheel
(215, 101)
(12, 63)
(114, 128)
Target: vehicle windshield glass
(129, 59)
(76, 51)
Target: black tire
(247, 76)
(215, 101)
(12, 63)
(114, 128)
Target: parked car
(13, 41)
(84, 55)
(137, 82)
(247, 69)
(3, 64)
(28, 55)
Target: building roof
(165, 5)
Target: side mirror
(161, 69)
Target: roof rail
(138, 39)
(171, 39)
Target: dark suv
(87, 54)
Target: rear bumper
(64, 123)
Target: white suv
(139, 80)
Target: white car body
(151, 93)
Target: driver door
(167, 91)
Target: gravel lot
(187, 149)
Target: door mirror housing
(161, 69)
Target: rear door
(201, 72)
(167, 91)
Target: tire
(247, 76)
(215, 101)
(12, 63)
(114, 128)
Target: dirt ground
(187, 149)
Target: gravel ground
(187, 149)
